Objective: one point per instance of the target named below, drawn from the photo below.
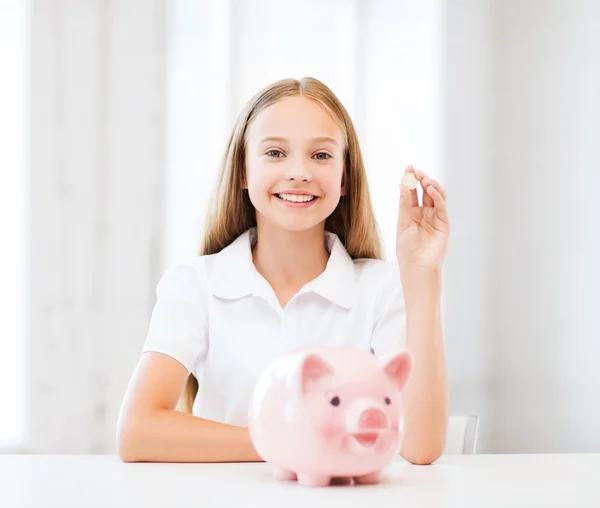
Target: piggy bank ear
(311, 370)
(397, 367)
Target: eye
(388, 401)
(274, 151)
(335, 401)
(327, 156)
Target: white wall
(546, 384)
(469, 100)
(523, 125)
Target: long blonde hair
(230, 212)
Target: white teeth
(296, 198)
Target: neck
(290, 259)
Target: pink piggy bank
(329, 412)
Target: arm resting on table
(149, 428)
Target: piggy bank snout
(372, 418)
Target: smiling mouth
(296, 198)
(367, 439)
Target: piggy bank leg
(283, 474)
(308, 480)
(368, 479)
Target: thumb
(405, 211)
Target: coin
(410, 180)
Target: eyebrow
(285, 140)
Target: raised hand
(423, 230)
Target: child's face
(294, 181)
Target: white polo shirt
(221, 320)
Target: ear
(397, 367)
(310, 371)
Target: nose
(299, 172)
(372, 418)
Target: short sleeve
(178, 322)
(389, 332)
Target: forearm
(426, 391)
(172, 436)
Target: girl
(290, 256)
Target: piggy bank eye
(388, 401)
(335, 401)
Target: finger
(439, 203)
(439, 187)
(426, 182)
(405, 211)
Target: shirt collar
(231, 272)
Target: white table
(458, 481)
